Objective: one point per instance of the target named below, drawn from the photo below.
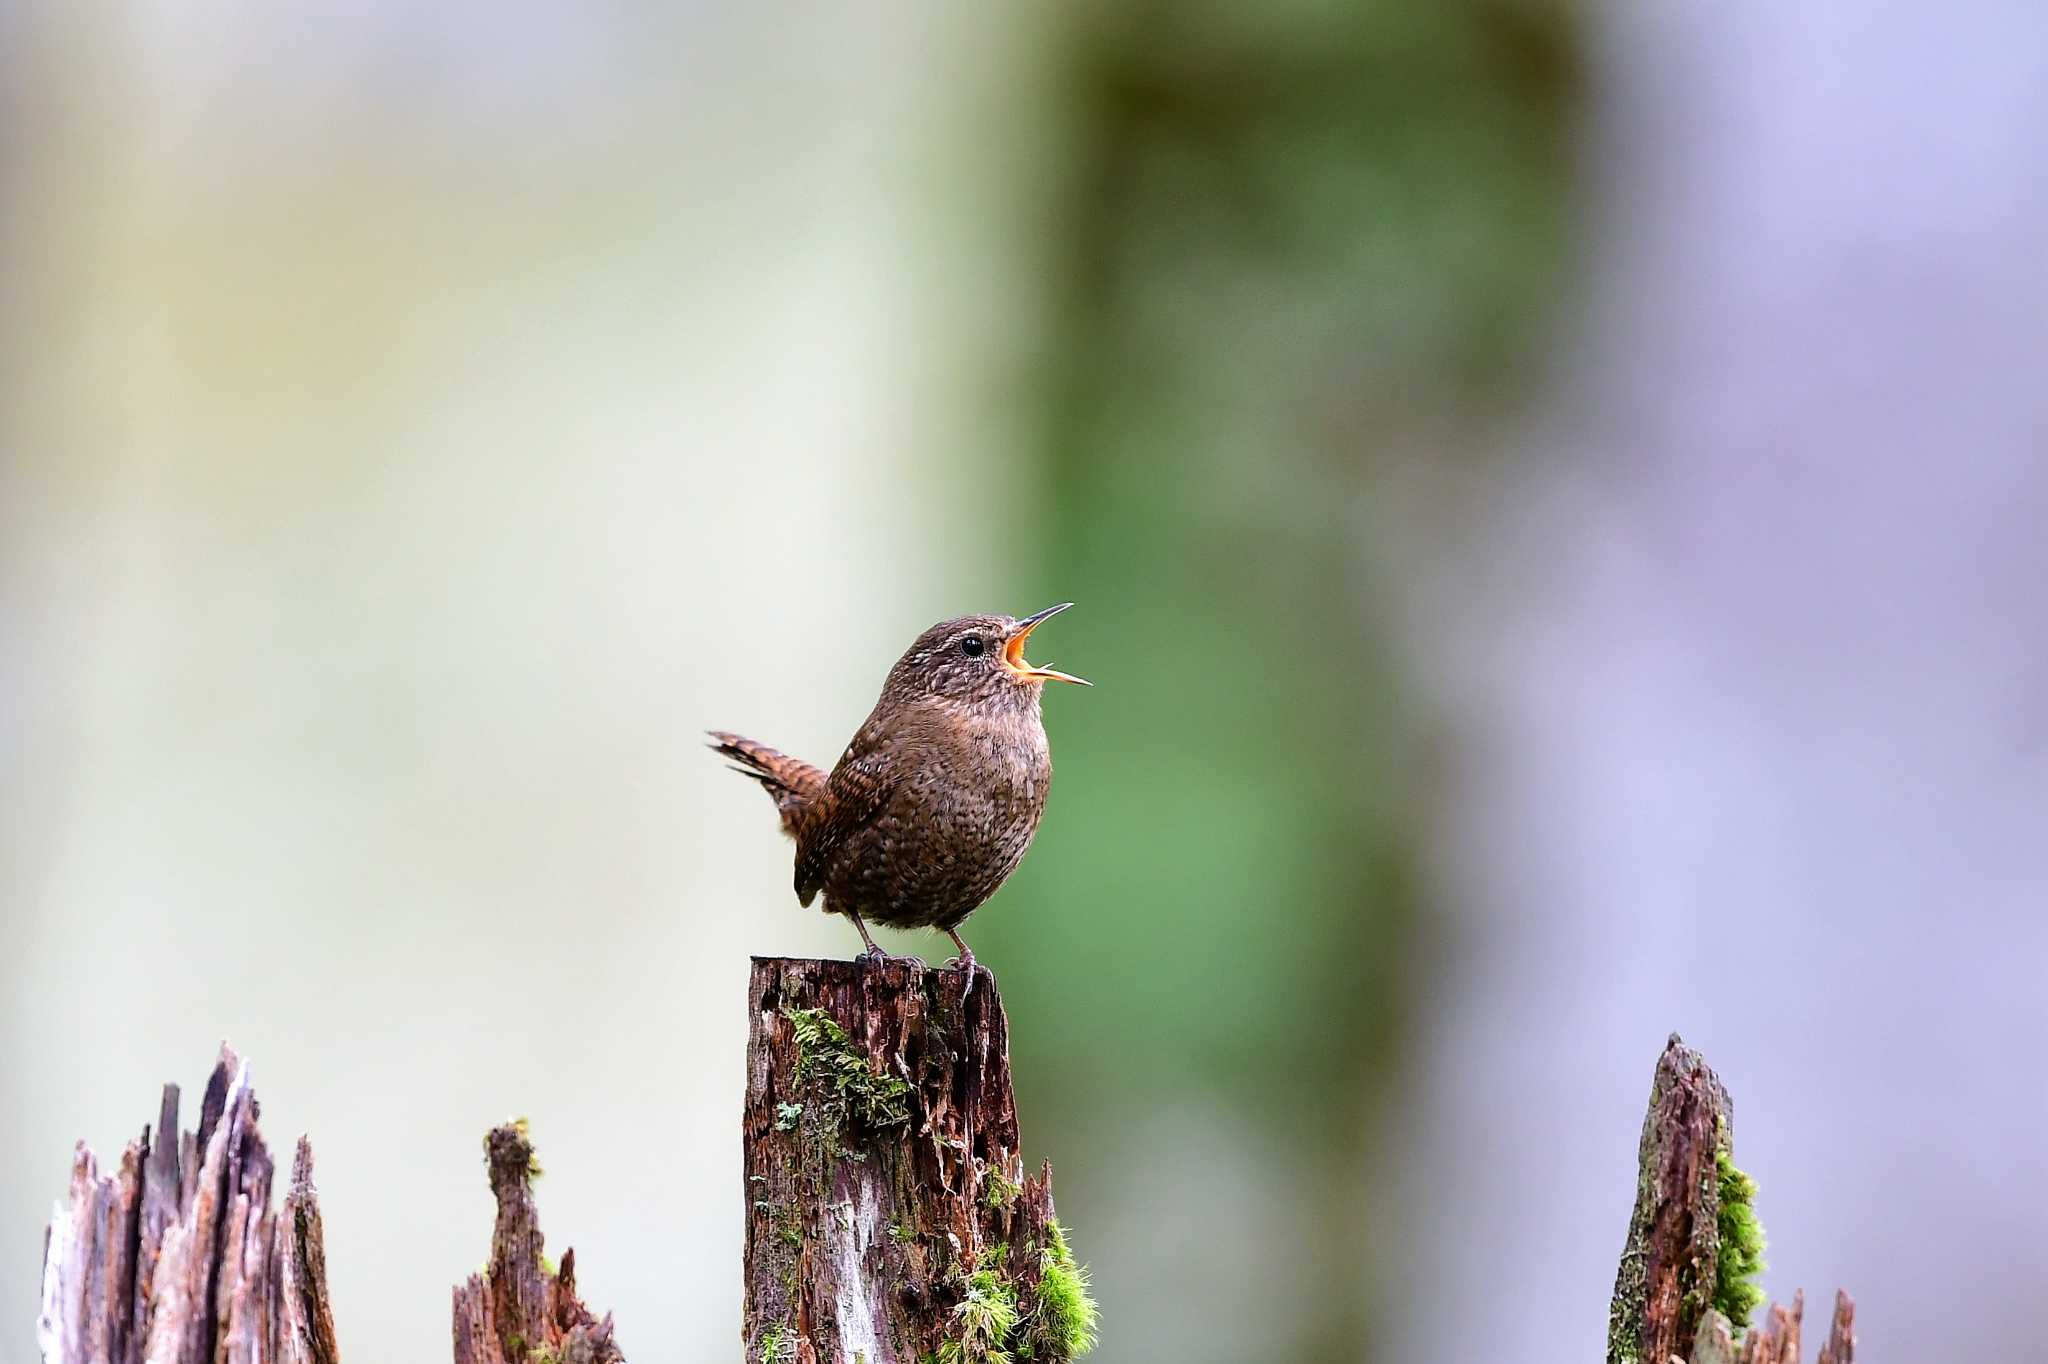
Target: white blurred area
(419, 424)
(1752, 694)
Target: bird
(937, 797)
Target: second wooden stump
(888, 1214)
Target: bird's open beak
(1013, 650)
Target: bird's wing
(856, 792)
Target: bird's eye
(972, 646)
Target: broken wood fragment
(177, 1257)
(520, 1310)
(1668, 1289)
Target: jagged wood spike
(1662, 1311)
(518, 1311)
(177, 1258)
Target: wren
(934, 802)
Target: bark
(177, 1257)
(888, 1214)
(1662, 1310)
(519, 1311)
(1667, 1277)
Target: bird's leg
(965, 962)
(874, 953)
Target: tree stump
(177, 1258)
(889, 1219)
(1683, 1293)
(520, 1310)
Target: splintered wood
(1662, 1310)
(177, 1258)
(518, 1311)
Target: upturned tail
(790, 782)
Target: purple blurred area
(1752, 673)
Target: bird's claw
(875, 956)
(966, 964)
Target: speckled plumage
(936, 799)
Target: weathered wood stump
(1685, 1288)
(889, 1219)
(519, 1310)
(177, 1257)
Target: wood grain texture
(1667, 1275)
(1661, 1311)
(177, 1257)
(519, 1310)
(881, 1167)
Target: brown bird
(934, 802)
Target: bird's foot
(875, 956)
(967, 965)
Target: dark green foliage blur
(1301, 236)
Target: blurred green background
(1296, 243)
(1487, 443)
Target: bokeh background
(1556, 496)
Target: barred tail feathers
(790, 782)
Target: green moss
(985, 1318)
(1062, 1322)
(993, 1329)
(901, 1234)
(778, 1345)
(787, 1116)
(853, 1087)
(1740, 1259)
(1002, 1191)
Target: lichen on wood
(889, 1219)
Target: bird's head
(977, 660)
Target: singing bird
(934, 802)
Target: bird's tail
(791, 783)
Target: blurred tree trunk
(888, 1216)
